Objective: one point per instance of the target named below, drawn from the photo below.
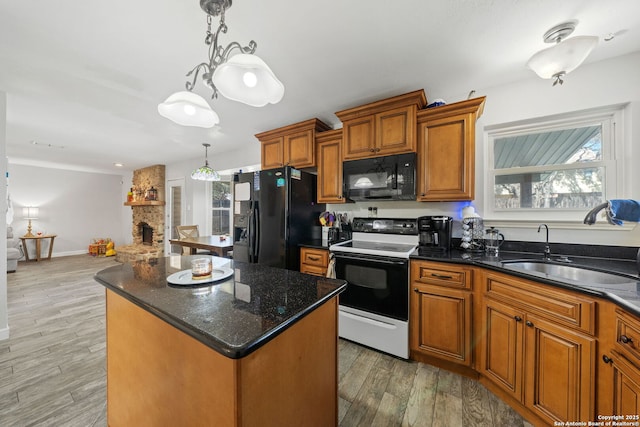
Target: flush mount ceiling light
(567, 55)
(242, 77)
(205, 173)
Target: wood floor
(52, 368)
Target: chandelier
(242, 77)
(567, 55)
(206, 172)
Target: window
(554, 165)
(221, 206)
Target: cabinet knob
(517, 318)
(607, 359)
(372, 150)
(415, 290)
(625, 339)
(377, 149)
(529, 323)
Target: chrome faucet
(547, 249)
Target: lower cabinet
(440, 312)
(548, 367)
(314, 261)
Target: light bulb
(250, 79)
(189, 110)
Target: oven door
(377, 285)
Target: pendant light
(234, 71)
(206, 172)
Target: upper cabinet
(446, 151)
(381, 128)
(292, 145)
(329, 149)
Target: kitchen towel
(623, 210)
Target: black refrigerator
(274, 211)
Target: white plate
(184, 277)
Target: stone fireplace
(147, 228)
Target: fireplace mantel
(146, 203)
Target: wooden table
(210, 243)
(38, 240)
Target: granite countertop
(235, 316)
(626, 295)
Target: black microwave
(380, 178)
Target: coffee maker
(435, 232)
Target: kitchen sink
(570, 272)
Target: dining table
(221, 245)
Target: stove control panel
(385, 225)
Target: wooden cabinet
(619, 358)
(441, 312)
(329, 150)
(381, 128)
(534, 348)
(446, 151)
(314, 261)
(293, 145)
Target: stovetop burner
(390, 237)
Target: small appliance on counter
(435, 233)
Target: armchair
(14, 251)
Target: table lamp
(29, 213)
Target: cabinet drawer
(440, 274)
(566, 308)
(628, 335)
(314, 257)
(312, 269)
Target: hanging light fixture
(243, 77)
(567, 55)
(206, 172)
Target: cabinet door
(440, 323)
(559, 372)
(396, 131)
(358, 138)
(501, 354)
(299, 149)
(272, 153)
(330, 172)
(626, 387)
(446, 165)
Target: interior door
(176, 212)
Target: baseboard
(4, 334)
(69, 253)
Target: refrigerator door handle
(257, 233)
(251, 231)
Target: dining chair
(187, 231)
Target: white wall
(599, 84)
(4, 316)
(76, 206)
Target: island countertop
(234, 316)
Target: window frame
(223, 178)
(611, 118)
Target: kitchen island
(256, 349)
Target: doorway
(176, 212)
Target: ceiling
(84, 78)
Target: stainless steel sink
(570, 272)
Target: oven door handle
(381, 261)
